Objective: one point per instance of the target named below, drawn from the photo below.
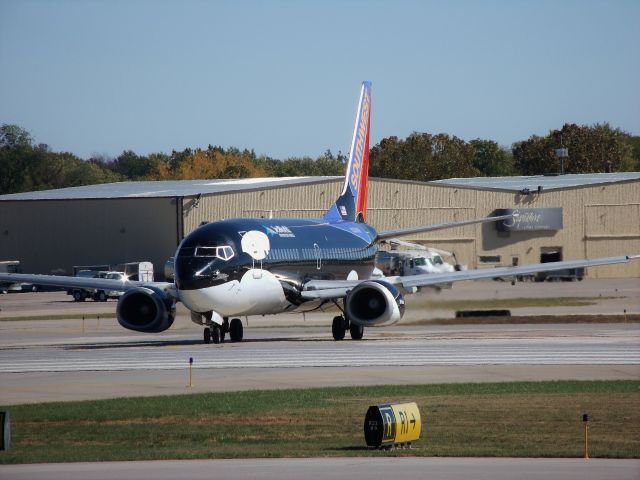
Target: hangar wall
(598, 221)
(295, 201)
(54, 235)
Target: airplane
(248, 266)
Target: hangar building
(561, 217)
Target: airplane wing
(82, 282)
(331, 289)
(416, 246)
(387, 234)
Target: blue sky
(283, 77)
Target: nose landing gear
(215, 333)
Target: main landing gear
(216, 333)
(340, 326)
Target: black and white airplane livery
(247, 266)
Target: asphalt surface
(336, 468)
(108, 365)
(74, 359)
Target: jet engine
(145, 309)
(374, 302)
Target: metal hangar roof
(167, 188)
(547, 182)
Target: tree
(422, 157)
(132, 166)
(491, 159)
(634, 144)
(13, 136)
(592, 149)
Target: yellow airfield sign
(392, 424)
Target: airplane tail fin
(352, 203)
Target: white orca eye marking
(256, 244)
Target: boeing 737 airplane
(248, 266)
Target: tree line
(27, 166)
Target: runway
(618, 347)
(336, 468)
(71, 359)
(61, 360)
(60, 364)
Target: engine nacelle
(145, 309)
(374, 302)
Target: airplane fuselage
(258, 266)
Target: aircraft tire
(235, 330)
(207, 335)
(216, 332)
(356, 331)
(338, 328)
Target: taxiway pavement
(336, 468)
(72, 359)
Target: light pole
(562, 153)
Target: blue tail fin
(352, 203)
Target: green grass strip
(484, 419)
(527, 302)
(68, 316)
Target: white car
(104, 295)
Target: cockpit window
(205, 252)
(224, 252)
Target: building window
(489, 258)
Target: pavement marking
(390, 352)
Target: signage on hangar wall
(530, 219)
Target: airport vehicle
(257, 266)
(412, 263)
(140, 271)
(81, 294)
(10, 266)
(101, 295)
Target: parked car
(104, 295)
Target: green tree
(592, 149)
(327, 164)
(13, 136)
(422, 157)
(491, 159)
(134, 167)
(634, 143)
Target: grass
(68, 316)
(528, 319)
(499, 419)
(492, 303)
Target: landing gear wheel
(356, 331)
(236, 330)
(216, 334)
(338, 327)
(207, 335)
